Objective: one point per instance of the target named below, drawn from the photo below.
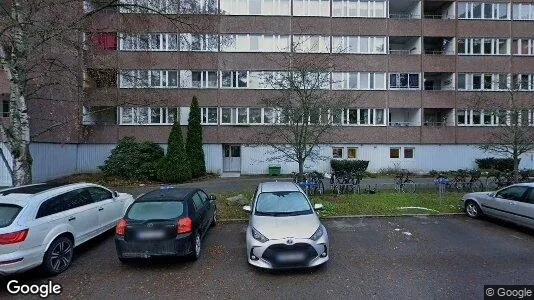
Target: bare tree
(41, 51)
(513, 134)
(304, 110)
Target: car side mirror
(318, 206)
(115, 194)
(247, 208)
(212, 198)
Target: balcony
(438, 117)
(404, 45)
(404, 117)
(405, 9)
(438, 10)
(438, 81)
(438, 45)
(99, 115)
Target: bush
(133, 160)
(174, 167)
(492, 163)
(193, 144)
(357, 166)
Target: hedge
(356, 166)
(492, 163)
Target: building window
(148, 79)
(485, 11)
(256, 7)
(255, 43)
(149, 6)
(311, 43)
(198, 6)
(5, 109)
(523, 47)
(394, 152)
(359, 81)
(483, 46)
(103, 40)
(311, 8)
(209, 115)
(352, 153)
(404, 81)
(228, 115)
(359, 44)
(523, 82)
(365, 116)
(523, 11)
(337, 152)
(234, 79)
(359, 8)
(483, 82)
(198, 79)
(408, 152)
(481, 117)
(147, 115)
(148, 42)
(199, 42)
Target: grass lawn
(382, 203)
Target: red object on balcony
(103, 40)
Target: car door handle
(101, 209)
(72, 218)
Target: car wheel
(472, 209)
(197, 247)
(58, 257)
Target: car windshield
(282, 204)
(8, 213)
(156, 210)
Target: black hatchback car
(166, 222)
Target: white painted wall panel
(52, 160)
(90, 156)
(213, 155)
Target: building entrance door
(231, 158)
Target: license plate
(146, 235)
(290, 257)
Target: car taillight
(13, 237)
(121, 225)
(185, 225)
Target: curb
(360, 216)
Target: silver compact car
(514, 203)
(284, 230)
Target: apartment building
(420, 68)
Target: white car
(41, 224)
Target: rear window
(156, 210)
(8, 213)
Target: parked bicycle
(467, 180)
(311, 183)
(343, 182)
(403, 183)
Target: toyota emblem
(289, 241)
(149, 225)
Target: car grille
(273, 252)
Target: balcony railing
(445, 16)
(404, 16)
(439, 52)
(402, 123)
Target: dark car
(166, 222)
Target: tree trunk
(516, 167)
(301, 166)
(22, 165)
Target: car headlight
(258, 236)
(318, 233)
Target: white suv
(42, 223)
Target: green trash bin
(274, 170)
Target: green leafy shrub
(492, 163)
(356, 166)
(132, 159)
(193, 144)
(174, 167)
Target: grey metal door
(231, 158)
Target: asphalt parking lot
(397, 257)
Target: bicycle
(342, 181)
(311, 183)
(403, 183)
